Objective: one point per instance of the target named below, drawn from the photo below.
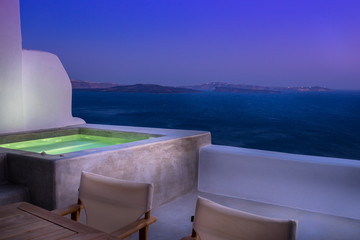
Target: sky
(188, 42)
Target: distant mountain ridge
(211, 86)
(242, 90)
(230, 87)
(78, 84)
(136, 88)
(148, 88)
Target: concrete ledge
(319, 184)
(3, 179)
(10, 193)
(174, 219)
(169, 161)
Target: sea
(310, 123)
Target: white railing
(320, 184)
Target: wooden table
(22, 221)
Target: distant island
(136, 88)
(78, 84)
(242, 88)
(207, 87)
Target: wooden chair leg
(76, 215)
(193, 234)
(143, 233)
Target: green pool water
(69, 143)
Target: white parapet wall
(35, 90)
(11, 112)
(319, 184)
(47, 92)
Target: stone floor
(174, 219)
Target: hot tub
(166, 157)
(70, 140)
(82, 140)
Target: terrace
(321, 193)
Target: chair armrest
(133, 227)
(67, 210)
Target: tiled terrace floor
(174, 219)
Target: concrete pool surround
(168, 160)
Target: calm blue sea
(319, 123)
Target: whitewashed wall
(320, 184)
(35, 90)
(47, 92)
(11, 112)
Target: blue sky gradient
(175, 43)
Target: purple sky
(186, 42)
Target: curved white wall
(35, 90)
(11, 112)
(47, 92)
(320, 184)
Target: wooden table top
(23, 221)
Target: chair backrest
(214, 222)
(111, 203)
